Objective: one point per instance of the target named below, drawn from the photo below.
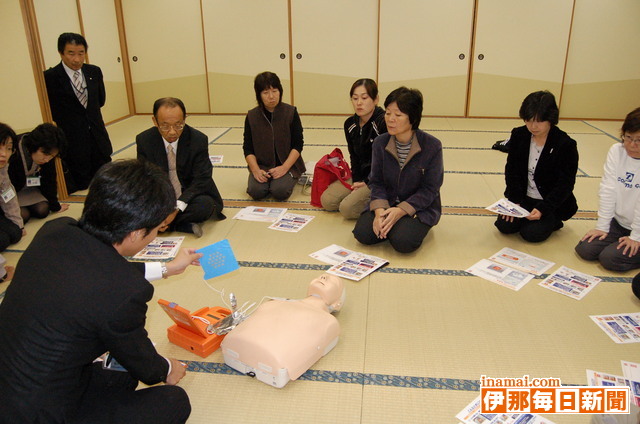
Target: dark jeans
(532, 231)
(405, 236)
(111, 398)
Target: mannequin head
(330, 289)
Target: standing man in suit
(74, 297)
(183, 152)
(76, 94)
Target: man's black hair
(125, 196)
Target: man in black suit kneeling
(74, 297)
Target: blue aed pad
(218, 259)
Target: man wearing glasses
(181, 151)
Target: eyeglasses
(629, 139)
(167, 127)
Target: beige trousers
(350, 203)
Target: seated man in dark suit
(74, 297)
(183, 152)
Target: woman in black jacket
(33, 172)
(360, 130)
(540, 172)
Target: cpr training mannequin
(283, 338)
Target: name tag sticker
(33, 181)
(8, 194)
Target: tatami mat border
(393, 270)
(123, 148)
(506, 131)
(304, 206)
(345, 377)
(343, 146)
(352, 378)
(220, 136)
(128, 146)
(446, 210)
(446, 172)
(617, 138)
(240, 203)
(386, 270)
(575, 218)
(584, 174)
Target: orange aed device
(190, 330)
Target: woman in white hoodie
(615, 241)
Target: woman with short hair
(33, 172)
(405, 179)
(616, 239)
(11, 224)
(541, 171)
(272, 142)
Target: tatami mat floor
(418, 334)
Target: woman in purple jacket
(405, 180)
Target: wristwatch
(164, 270)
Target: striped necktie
(81, 92)
(173, 174)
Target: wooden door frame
(38, 67)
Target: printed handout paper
(347, 263)
(521, 261)
(215, 159)
(505, 207)
(472, 414)
(621, 328)
(631, 379)
(291, 222)
(161, 248)
(570, 282)
(631, 372)
(333, 254)
(260, 214)
(357, 266)
(500, 274)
